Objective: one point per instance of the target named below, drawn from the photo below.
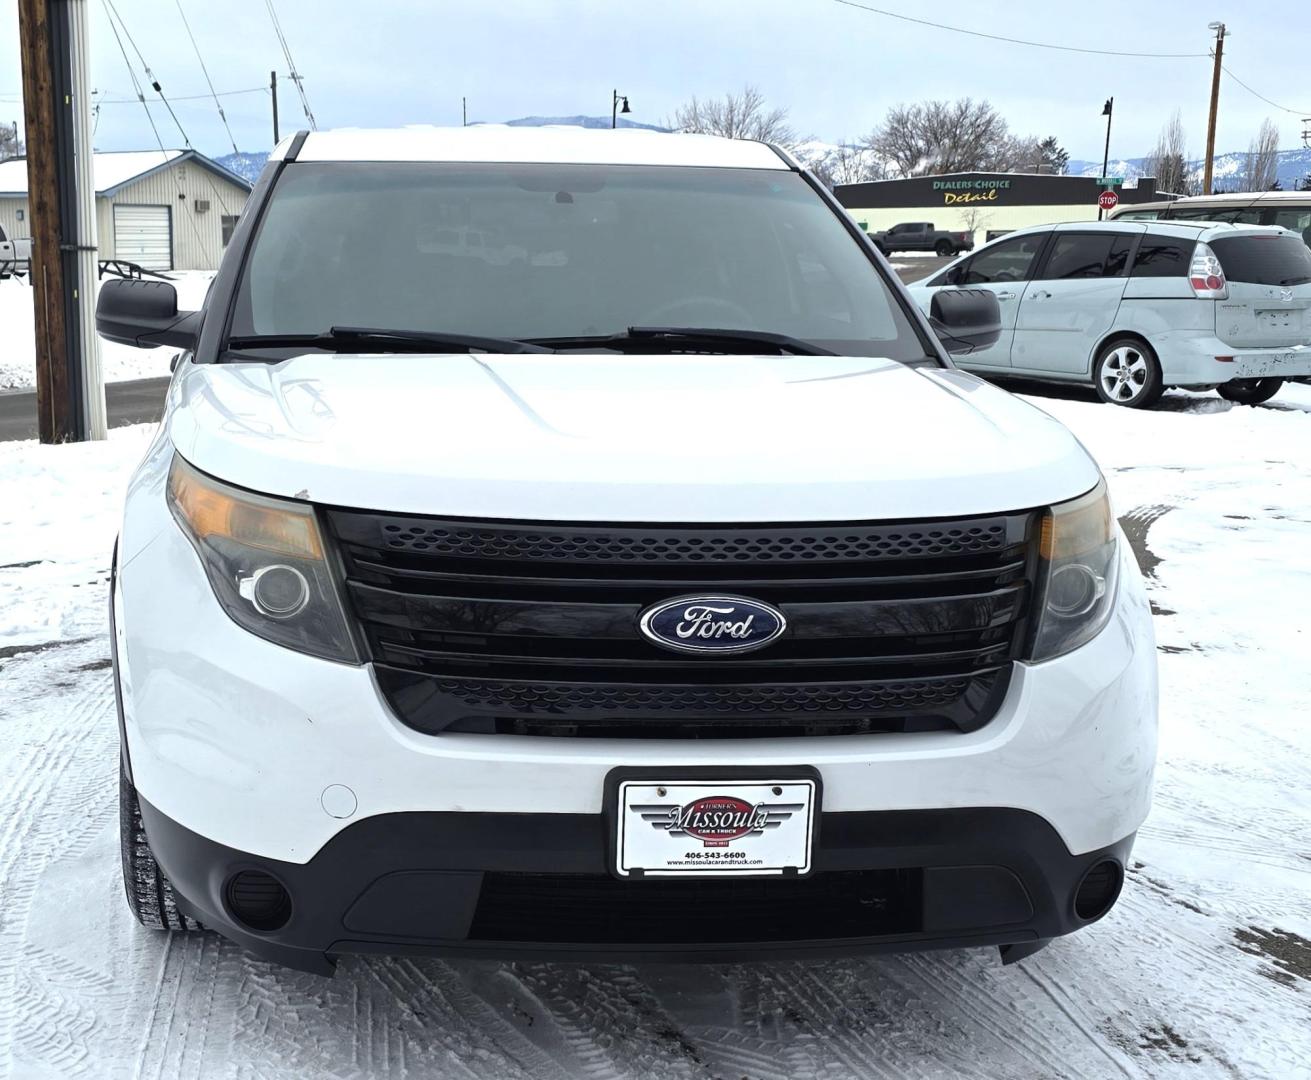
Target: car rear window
(1163, 256)
(1264, 260)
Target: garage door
(144, 235)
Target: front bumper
(535, 886)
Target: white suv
(666, 592)
(1135, 307)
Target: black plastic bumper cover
(520, 886)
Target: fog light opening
(258, 900)
(1098, 890)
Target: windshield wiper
(374, 339)
(691, 337)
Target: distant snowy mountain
(1294, 168)
(246, 165)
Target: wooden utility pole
(1208, 172)
(55, 419)
(273, 87)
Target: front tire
(1127, 373)
(944, 248)
(149, 893)
(1249, 391)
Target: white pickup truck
(14, 254)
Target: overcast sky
(389, 62)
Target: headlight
(266, 562)
(1077, 577)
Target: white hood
(602, 437)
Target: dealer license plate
(697, 827)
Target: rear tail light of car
(266, 562)
(1078, 574)
(1206, 275)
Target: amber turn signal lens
(1077, 527)
(214, 510)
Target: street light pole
(1107, 110)
(615, 110)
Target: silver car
(1134, 307)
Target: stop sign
(1108, 200)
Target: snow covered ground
(1202, 970)
(118, 362)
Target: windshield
(553, 251)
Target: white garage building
(164, 210)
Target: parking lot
(1203, 969)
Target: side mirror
(955, 275)
(144, 314)
(965, 320)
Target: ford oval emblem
(712, 624)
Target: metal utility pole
(464, 112)
(273, 88)
(61, 202)
(1207, 174)
(1107, 110)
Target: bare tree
(10, 146)
(974, 217)
(737, 116)
(1262, 167)
(943, 136)
(1168, 162)
(846, 164)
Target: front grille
(532, 628)
(599, 910)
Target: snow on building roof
(549, 144)
(112, 169)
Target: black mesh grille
(573, 545)
(592, 909)
(532, 628)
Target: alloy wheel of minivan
(1127, 373)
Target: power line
(1282, 108)
(154, 82)
(208, 81)
(1016, 41)
(185, 97)
(200, 240)
(291, 65)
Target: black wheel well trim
(1114, 335)
(124, 755)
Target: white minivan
(666, 593)
(1136, 307)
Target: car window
(562, 251)
(1009, 260)
(1232, 215)
(1117, 263)
(1077, 255)
(1273, 259)
(1163, 256)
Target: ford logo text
(712, 624)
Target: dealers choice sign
(970, 191)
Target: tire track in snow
(611, 1022)
(54, 810)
